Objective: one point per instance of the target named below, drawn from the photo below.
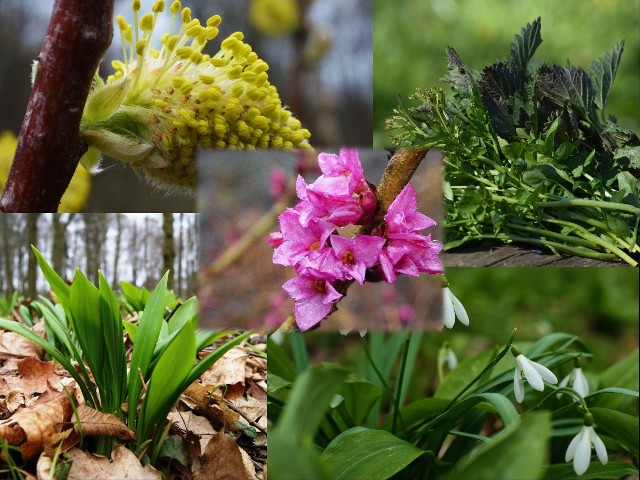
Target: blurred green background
(410, 39)
(598, 304)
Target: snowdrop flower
(577, 381)
(533, 372)
(452, 308)
(580, 447)
(449, 357)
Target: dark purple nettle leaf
(525, 45)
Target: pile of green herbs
(530, 155)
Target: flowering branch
(397, 175)
(49, 147)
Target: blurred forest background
(410, 44)
(132, 247)
(320, 62)
(598, 304)
(236, 192)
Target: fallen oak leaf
(123, 464)
(14, 345)
(34, 428)
(95, 422)
(229, 369)
(205, 400)
(223, 459)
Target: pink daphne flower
(296, 242)
(408, 251)
(314, 298)
(352, 256)
(341, 195)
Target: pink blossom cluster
(309, 241)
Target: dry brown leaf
(123, 464)
(43, 467)
(95, 422)
(229, 369)
(192, 424)
(250, 408)
(33, 428)
(14, 345)
(35, 375)
(205, 400)
(15, 399)
(223, 459)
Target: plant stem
(49, 147)
(396, 403)
(580, 202)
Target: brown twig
(49, 147)
(396, 176)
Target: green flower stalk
(159, 106)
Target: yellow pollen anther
(158, 7)
(206, 79)
(122, 23)
(140, 46)
(175, 7)
(135, 5)
(214, 21)
(146, 22)
(186, 15)
(218, 62)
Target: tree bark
(168, 248)
(116, 257)
(49, 147)
(32, 239)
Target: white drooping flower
(577, 381)
(449, 358)
(579, 449)
(533, 372)
(452, 308)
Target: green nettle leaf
(525, 45)
(567, 84)
(518, 452)
(604, 71)
(511, 126)
(360, 453)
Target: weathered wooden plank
(515, 256)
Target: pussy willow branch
(396, 176)
(49, 147)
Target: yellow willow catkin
(159, 106)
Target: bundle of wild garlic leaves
(529, 154)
